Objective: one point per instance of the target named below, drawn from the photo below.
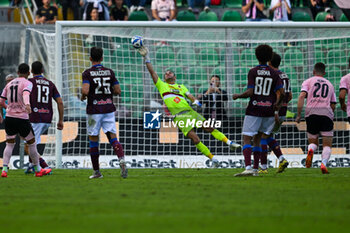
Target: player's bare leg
(312, 147)
(247, 152)
(33, 153)
(118, 150)
(95, 155)
(326, 153)
(30, 168)
(202, 148)
(221, 137)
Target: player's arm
(279, 98)
(85, 91)
(290, 96)
(60, 108)
(342, 95)
(116, 89)
(248, 93)
(193, 99)
(300, 105)
(3, 102)
(144, 52)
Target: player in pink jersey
(343, 91)
(319, 113)
(17, 93)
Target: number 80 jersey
(41, 99)
(265, 82)
(100, 98)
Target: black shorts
(316, 124)
(14, 126)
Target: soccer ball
(137, 42)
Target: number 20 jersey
(100, 98)
(265, 82)
(320, 95)
(41, 99)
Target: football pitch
(176, 200)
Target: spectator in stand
(94, 14)
(213, 100)
(163, 10)
(280, 9)
(135, 5)
(39, 3)
(13, 4)
(253, 10)
(46, 14)
(101, 5)
(74, 5)
(344, 5)
(317, 6)
(192, 3)
(119, 12)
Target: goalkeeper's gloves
(196, 102)
(144, 52)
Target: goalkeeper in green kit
(174, 96)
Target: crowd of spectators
(165, 10)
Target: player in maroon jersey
(265, 90)
(99, 86)
(41, 97)
(271, 141)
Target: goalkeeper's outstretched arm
(144, 52)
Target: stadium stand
(138, 16)
(207, 16)
(186, 16)
(301, 16)
(231, 15)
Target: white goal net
(194, 52)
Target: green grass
(203, 200)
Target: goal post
(194, 51)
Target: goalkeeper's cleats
(3, 174)
(43, 172)
(263, 171)
(123, 169)
(29, 170)
(324, 169)
(234, 146)
(215, 163)
(310, 155)
(283, 165)
(97, 174)
(248, 172)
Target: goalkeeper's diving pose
(174, 98)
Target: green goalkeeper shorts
(188, 120)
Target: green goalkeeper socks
(5, 168)
(219, 136)
(202, 148)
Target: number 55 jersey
(265, 82)
(100, 97)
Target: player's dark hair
(96, 54)
(263, 53)
(320, 68)
(37, 67)
(23, 68)
(215, 76)
(275, 60)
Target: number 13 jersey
(100, 98)
(41, 99)
(265, 82)
(320, 95)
